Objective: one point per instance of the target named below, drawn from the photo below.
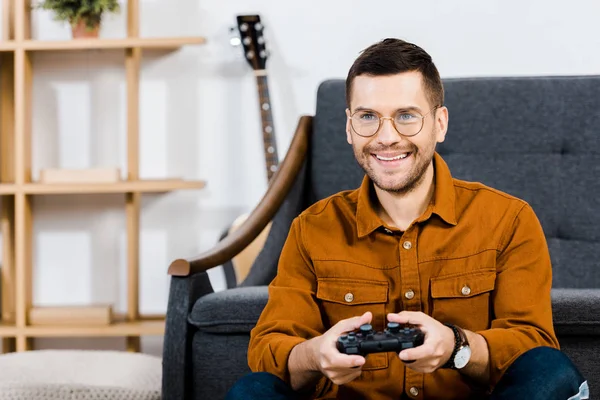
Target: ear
(348, 127)
(441, 122)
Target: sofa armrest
(278, 189)
(177, 346)
(576, 311)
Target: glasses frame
(382, 118)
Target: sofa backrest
(537, 138)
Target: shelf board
(8, 188)
(138, 328)
(8, 45)
(141, 186)
(171, 43)
(8, 330)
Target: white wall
(199, 117)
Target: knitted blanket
(79, 375)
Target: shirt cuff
(504, 348)
(275, 361)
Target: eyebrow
(407, 108)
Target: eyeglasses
(367, 123)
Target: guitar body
(244, 260)
(251, 37)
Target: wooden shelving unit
(17, 189)
(101, 44)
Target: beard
(398, 182)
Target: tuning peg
(263, 54)
(247, 41)
(258, 26)
(244, 27)
(250, 55)
(260, 40)
(234, 37)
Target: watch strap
(460, 340)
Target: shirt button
(407, 245)
(409, 294)
(349, 297)
(465, 290)
(414, 391)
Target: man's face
(394, 162)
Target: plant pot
(81, 31)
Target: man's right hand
(338, 367)
(310, 360)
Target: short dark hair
(394, 56)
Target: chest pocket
(464, 300)
(346, 298)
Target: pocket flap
(467, 285)
(352, 291)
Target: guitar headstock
(253, 41)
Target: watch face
(462, 357)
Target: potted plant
(84, 16)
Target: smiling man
(466, 264)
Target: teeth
(401, 156)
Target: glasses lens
(365, 123)
(408, 123)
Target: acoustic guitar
(253, 43)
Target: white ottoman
(79, 375)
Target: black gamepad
(394, 338)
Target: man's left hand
(437, 347)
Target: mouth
(392, 159)
(401, 156)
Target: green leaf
(72, 11)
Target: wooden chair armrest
(264, 212)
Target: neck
(401, 209)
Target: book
(71, 315)
(91, 175)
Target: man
(466, 264)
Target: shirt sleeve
(291, 315)
(521, 300)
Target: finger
(408, 317)
(416, 353)
(425, 365)
(345, 378)
(351, 324)
(411, 318)
(344, 361)
(419, 366)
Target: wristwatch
(462, 351)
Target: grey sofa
(535, 137)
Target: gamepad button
(393, 327)
(366, 329)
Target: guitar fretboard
(268, 130)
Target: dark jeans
(542, 373)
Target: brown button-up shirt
(476, 258)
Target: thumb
(351, 324)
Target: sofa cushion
(576, 311)
(230, 311)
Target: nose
(387, 133)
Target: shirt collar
(443, 203)
(444, 197)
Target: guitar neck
(268, 130)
